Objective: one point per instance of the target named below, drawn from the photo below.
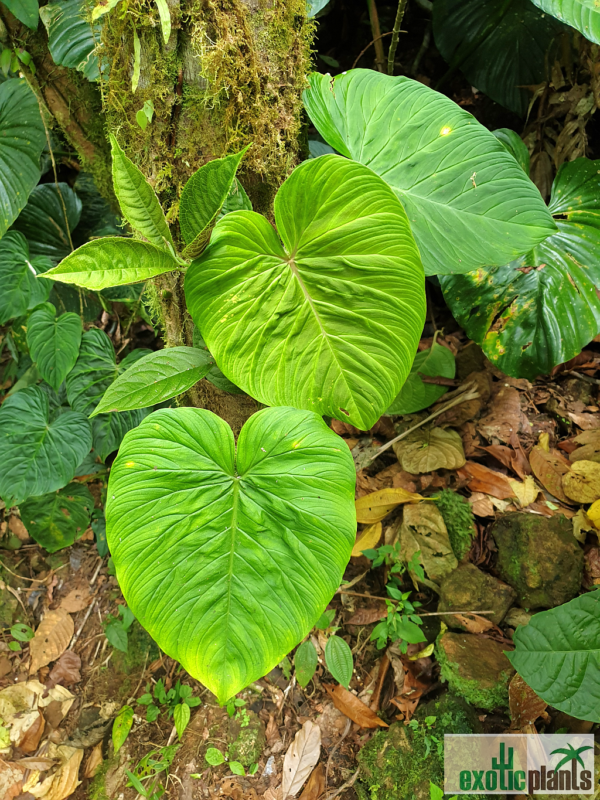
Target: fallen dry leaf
(586, 422)
(582, 482)
(483, 479)
(481, 505)
(504, 417)
(525, 491)
(423, 529)
(300, 758)
(374, 507)
(273, 794)
(549, 470)
(76, 600)
(15, 525)
(51, 638)
(29, 739)
(29, 696)
(272, 731)
(11, 777)
(480, 382)
(591, 564)
(428, 450)
(524, 704)
(367, 616)
(367, 539)
(315, 786)
(354, 708)
(582, 523)
(410, 680)
(473, 623)
(94, 761)
(66, 670)
(41, 763)
(62, 783)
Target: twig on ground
(349, 783)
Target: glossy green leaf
(181, 718)
(328, 318)
(237, 768)
(468, 202)
(93, 372)
(165, 18)
(338, 658)
(121, 727)
(97, 217)
(583, 15)
(305, 662)
(53, 343)
(22, 139)
(155, 378)
(542, 309)
(20, 289)
(38, 455)
(22, 632)
(415, 395)
(58, 519)
(558, 656)
(202, 198)
(214, 757)
(108, 430)
(501, 46)
(214, 374)
(26, 11)
(236, 200)
(43, 223)
(515, 146)
(138, 200)
(113, 261)
(228, 559)
(70, 37)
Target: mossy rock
(468, 588)
(247, 736)
(459, 521)
(475, 668)
(398, 764)
(539, 557)
(8, 608)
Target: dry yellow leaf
(367, 539)
(423, 529)
(544, 441)
(582, 482)
(582, 523)
(374, 507)
(593, 514)
(301, 758)
(94, 761)
(424, 653)
(427, 450)
(51, 638)
(62, 783)
(525, 491)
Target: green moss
(459, 520)
(141, 649)
(249, 738)
(97, 787)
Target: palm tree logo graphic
(570, 754)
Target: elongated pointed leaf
(20, 290)
(26, 11)
(112, 261)
(543, 308)
(436, 362)
(338, 658)
(155, 378)
(43, 223)
(53, 343)
(70, 37)
(583, 15)
(203, 197)
(38, 455)
(227, 559)
(22, 139)
(306, 661)
(558, 655)
(330, 319)
(138, 199)
(468, 202)
(165, 18)
(500, 47)
(58, 519)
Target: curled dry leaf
(51, 638)
(315, 786)
(582, 523)
(27, 735)
(549, 469)
(582, 482)
(524, 704)
(481, 383)
(504, 417)
(300, 758)
(587, 422)
(66, 670)
(29, 696)
(525, 491)
(76, 600)
(423, 529)
(94, 761)
(367, 539)
(11, 780)
(374, 507)
(350, 705)
(473, 623)
(481, 505)
(483, 479)
(63, 782)
(367, 616)
(428, 450)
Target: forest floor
(61, 691)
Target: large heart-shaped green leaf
(20, 289)
(113, 261)
(329, 317)
(468, 202)
(155, 378)
(584, 15)
(543, 308)
(94, 371)
(108, 430)
(435, 362)
(43, 223)
(38, 455)
(228, 559)
(57, 519)
(501, 46)
(558, 655)
(70, 36)
(53, 343)
(22, 139)
(137, 198)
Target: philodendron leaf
(543, 308)
(329, 313)
(203, 197)
(21, 290)
(468, 202)
(228, 558)
(515, 146)
(22, 139)
(93, 372)
(53, 343)
(155, 378)
(583, 15)
(38, 455)
(138, 199)
(113, 261)
(57, 519)
(436, 362)
(500, 47)
(43, 223)
(108, 430)
(70, 36)
(26, 11)
(558, 655)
